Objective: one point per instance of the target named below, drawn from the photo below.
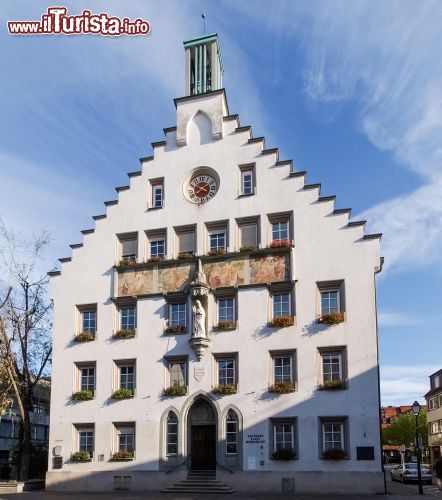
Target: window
(331, 297)
(248, 235)
(283, 366)
(332, 435)
(125, 437)
(281, 305)
(171, 434)
(157, 193)
(177, 314)
(157, 248)
(280, 231)
(434, 427)
(87, 319)
(85, 439)
(177, 372)
(283, 436)
(231, 433)
(433, 403)
(333, 366)
(226, 370)
(156, 244)
(440, 399)
(226, 309)
(40, 406)
(126, 376)
(217, 242)
(185, 240)
(217, 237)
(247, 180)
(128, 247)
(86, 378)
(127, 317)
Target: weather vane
(203, 16)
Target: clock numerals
(202, 188)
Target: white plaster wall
(325, 249)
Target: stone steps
(200, 482)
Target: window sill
(225, 326)
(282, 322)
(131, 459)
(155, 208)
(331, 319)
(175, 330)
(245, 195)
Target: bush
(123, 394)
(175, 329)
(185, 255)
(333, 385)
(123, 455)
(284, 454)
(155, 259)
(282, 321)
(225, 325)
(125, 334)
(83, 395)
(248, 248)
(175, 390)
(80, 456)
(333, 318)
(128, 261)
(218, 251)
(224, 389)
(334, 454)
(282, 387)
(84, 337)
(280, 244)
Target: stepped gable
(251, 141)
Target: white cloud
(385, 56)
(394, 318)
(402, 384)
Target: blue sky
(351, 91)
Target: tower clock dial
(202, 188)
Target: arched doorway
(201, 425)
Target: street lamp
(416, 408)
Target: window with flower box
(124, 441)
(128, 248)
(156, 245)
(185, 241)
(85, 440)
(283, 438)
(333, 367)
(248, 234)
(333, 433)
(217, 237)
(281, 230)
(331, 302)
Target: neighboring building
(434, 415)
(10, 428)
(232, 305)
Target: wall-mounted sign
(199, 374)
(255, 439)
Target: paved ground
(394, 489)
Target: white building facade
(221, 316)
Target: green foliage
(218, 251)
(123, 455)
(84, 337)
(282, 387)
(282, 322)
(155, 259)
(284, 454)
(185, 255)
(123, 394)
(224, 389)
(248, 248)
(80, 456)
(333, 318)
(125, 334)
(333, 385)
(175, 329)
(225, 325)
(127, 262)
(334, 454)
(175, 390)
(402, 430)
(83, 395)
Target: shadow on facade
(269, 420)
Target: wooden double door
(203, 447)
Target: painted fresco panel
(174, 279)
(220, 274)
(135, 283)
(269, 268)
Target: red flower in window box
(280, 244)
(333, 318)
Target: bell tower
(204, 67)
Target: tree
(24, 328)
(403, 430)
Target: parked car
(408, 472)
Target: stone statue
(199, 320)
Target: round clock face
(202, 188)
